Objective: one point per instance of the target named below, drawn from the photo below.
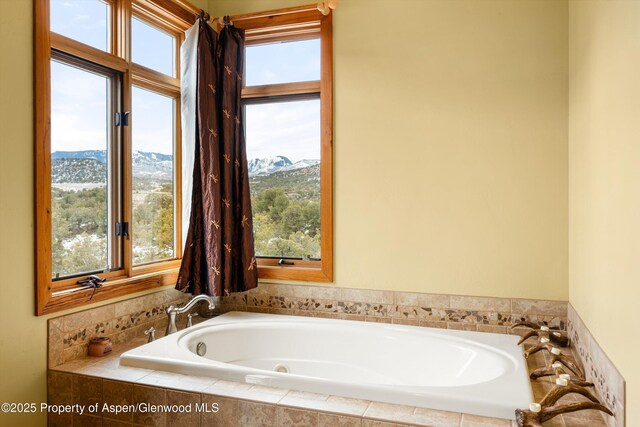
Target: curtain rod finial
(203, 15)
(326, 7)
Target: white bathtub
(470, 372)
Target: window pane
(153, 202)
(87, 21)
(80, 123)
(283, 145)
(296, 61)
(152, 48)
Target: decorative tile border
(122, 321)
(609, 384)
(484, 314)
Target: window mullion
(116, 178)
(155, 81)
(123, 50)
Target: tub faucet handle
(190, 317)
(152, 334)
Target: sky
(79, 98)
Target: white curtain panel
(188, 90)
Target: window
(107, 147)
(288, 130)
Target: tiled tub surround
(609, 383)
(101, 380)
(69, 335)
(122, 321)
(76, 378)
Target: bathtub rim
(141, 357)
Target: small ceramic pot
(100, 346)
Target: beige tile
(88, 318)
(134, 305)
(55, 343)
(305, 396)
(328, 292)
(492, 329)
(462, 326)
(480, 303)
(75, 365)
(87, 390)
(540, 389)
(338, 405)
(377, 319)
(367, 295)
(55, 351)
(409, 414)
(253, 414)
(223, 412)
(558, 422)
(436, 418)
(433, 324)
(75, 352)
(111, 369)
(477, 421)
(331, 420)
(591, 417)
(115, 394)
(151, 396)
(422, 300)
(184, 418)
(377, 423)
(289, 417)
(527, 306)
(357, 317)
(246, 391)
(406, 322)
(177, 381)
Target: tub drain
(201, 349)
(281, 368)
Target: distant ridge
(89, 166)
(269, 165)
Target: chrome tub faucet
(173, 311)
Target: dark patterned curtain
(219, 257)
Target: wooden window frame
(52, 296)
(291, 24)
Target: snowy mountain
(89, 166)
(270, 165)
(152, 165)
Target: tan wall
(450, 155)
(22, 335)
(604, 179)
(450, 144)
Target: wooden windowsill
(63, 300)
(302, 273)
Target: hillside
(298, 184)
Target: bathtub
(471, 372)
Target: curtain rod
(189, 7)
(324, 7)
